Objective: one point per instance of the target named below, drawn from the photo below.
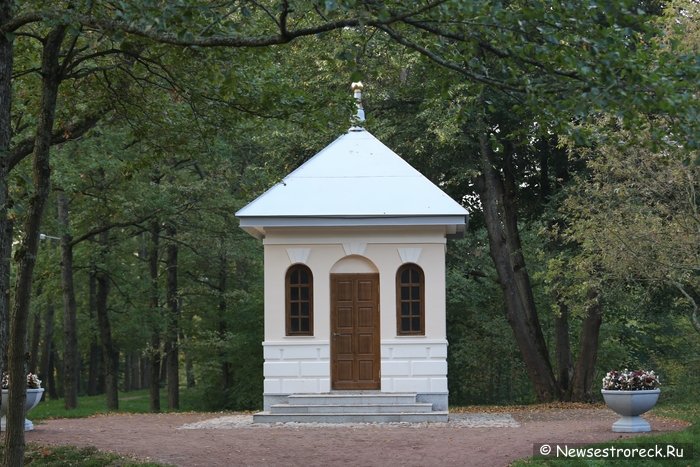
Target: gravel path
(471, 420)
(189, 439)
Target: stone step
(267, 417)
(351, 398)
(351, 408)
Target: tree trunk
(5, 253)
(127, 385)
(94, 370)
(145, 364)
(154, 380)
(136, 371)
(506, 252)
(45, 366)
(223, 275)
(563, 348)
(109, 354)
(584, 371)
(163, 367)
(51, 378)
(36, 340)
(26, 253)
(155, 317)
(135, 367)
(95, 357)
(70, 331)
(189, 369)
(6, 58)
(563, 358)
(171, 345)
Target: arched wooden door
(355, 345)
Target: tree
(83, 61)
(636, 216)
(25, 255)
(539, 70)
(70, 331)
(172, 331)
(6, 226)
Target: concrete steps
(369, 408)
(351, 407)
(349, 398)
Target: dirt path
(229, 439)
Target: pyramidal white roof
(354, 181)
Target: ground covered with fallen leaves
(473, 436)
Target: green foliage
(643, 328)
(476, 328)
(188, 135)
(636, 212)
(238, 346)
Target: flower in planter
(637, 380)
(33, 381)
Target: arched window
(410, 300)
(299, 285)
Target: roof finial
(360, 116)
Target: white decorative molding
(410, 255)
(298, 255)
(355, 248)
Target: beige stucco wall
(386, 249)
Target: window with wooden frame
(299, 300)
(410, 300)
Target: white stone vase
(630, 405)
(33, 398)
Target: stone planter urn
(630, 405)
(33, 398)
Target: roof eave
(454, 224)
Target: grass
(129, 402)
(689, 411)
(55, 456)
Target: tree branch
(695, 313)
(283, 18)
(203, 282)
(285, 36)
(69, 132)
(18, 21)
(446, 63)
(491, 48)
(115, 225)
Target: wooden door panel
(355, 349)
(365, 317)
(344, 345)
(364, 290)
(344, 371)
(366, 368)
(365, 344)
(344, 290)
(345, 316)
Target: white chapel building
(354, 256)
